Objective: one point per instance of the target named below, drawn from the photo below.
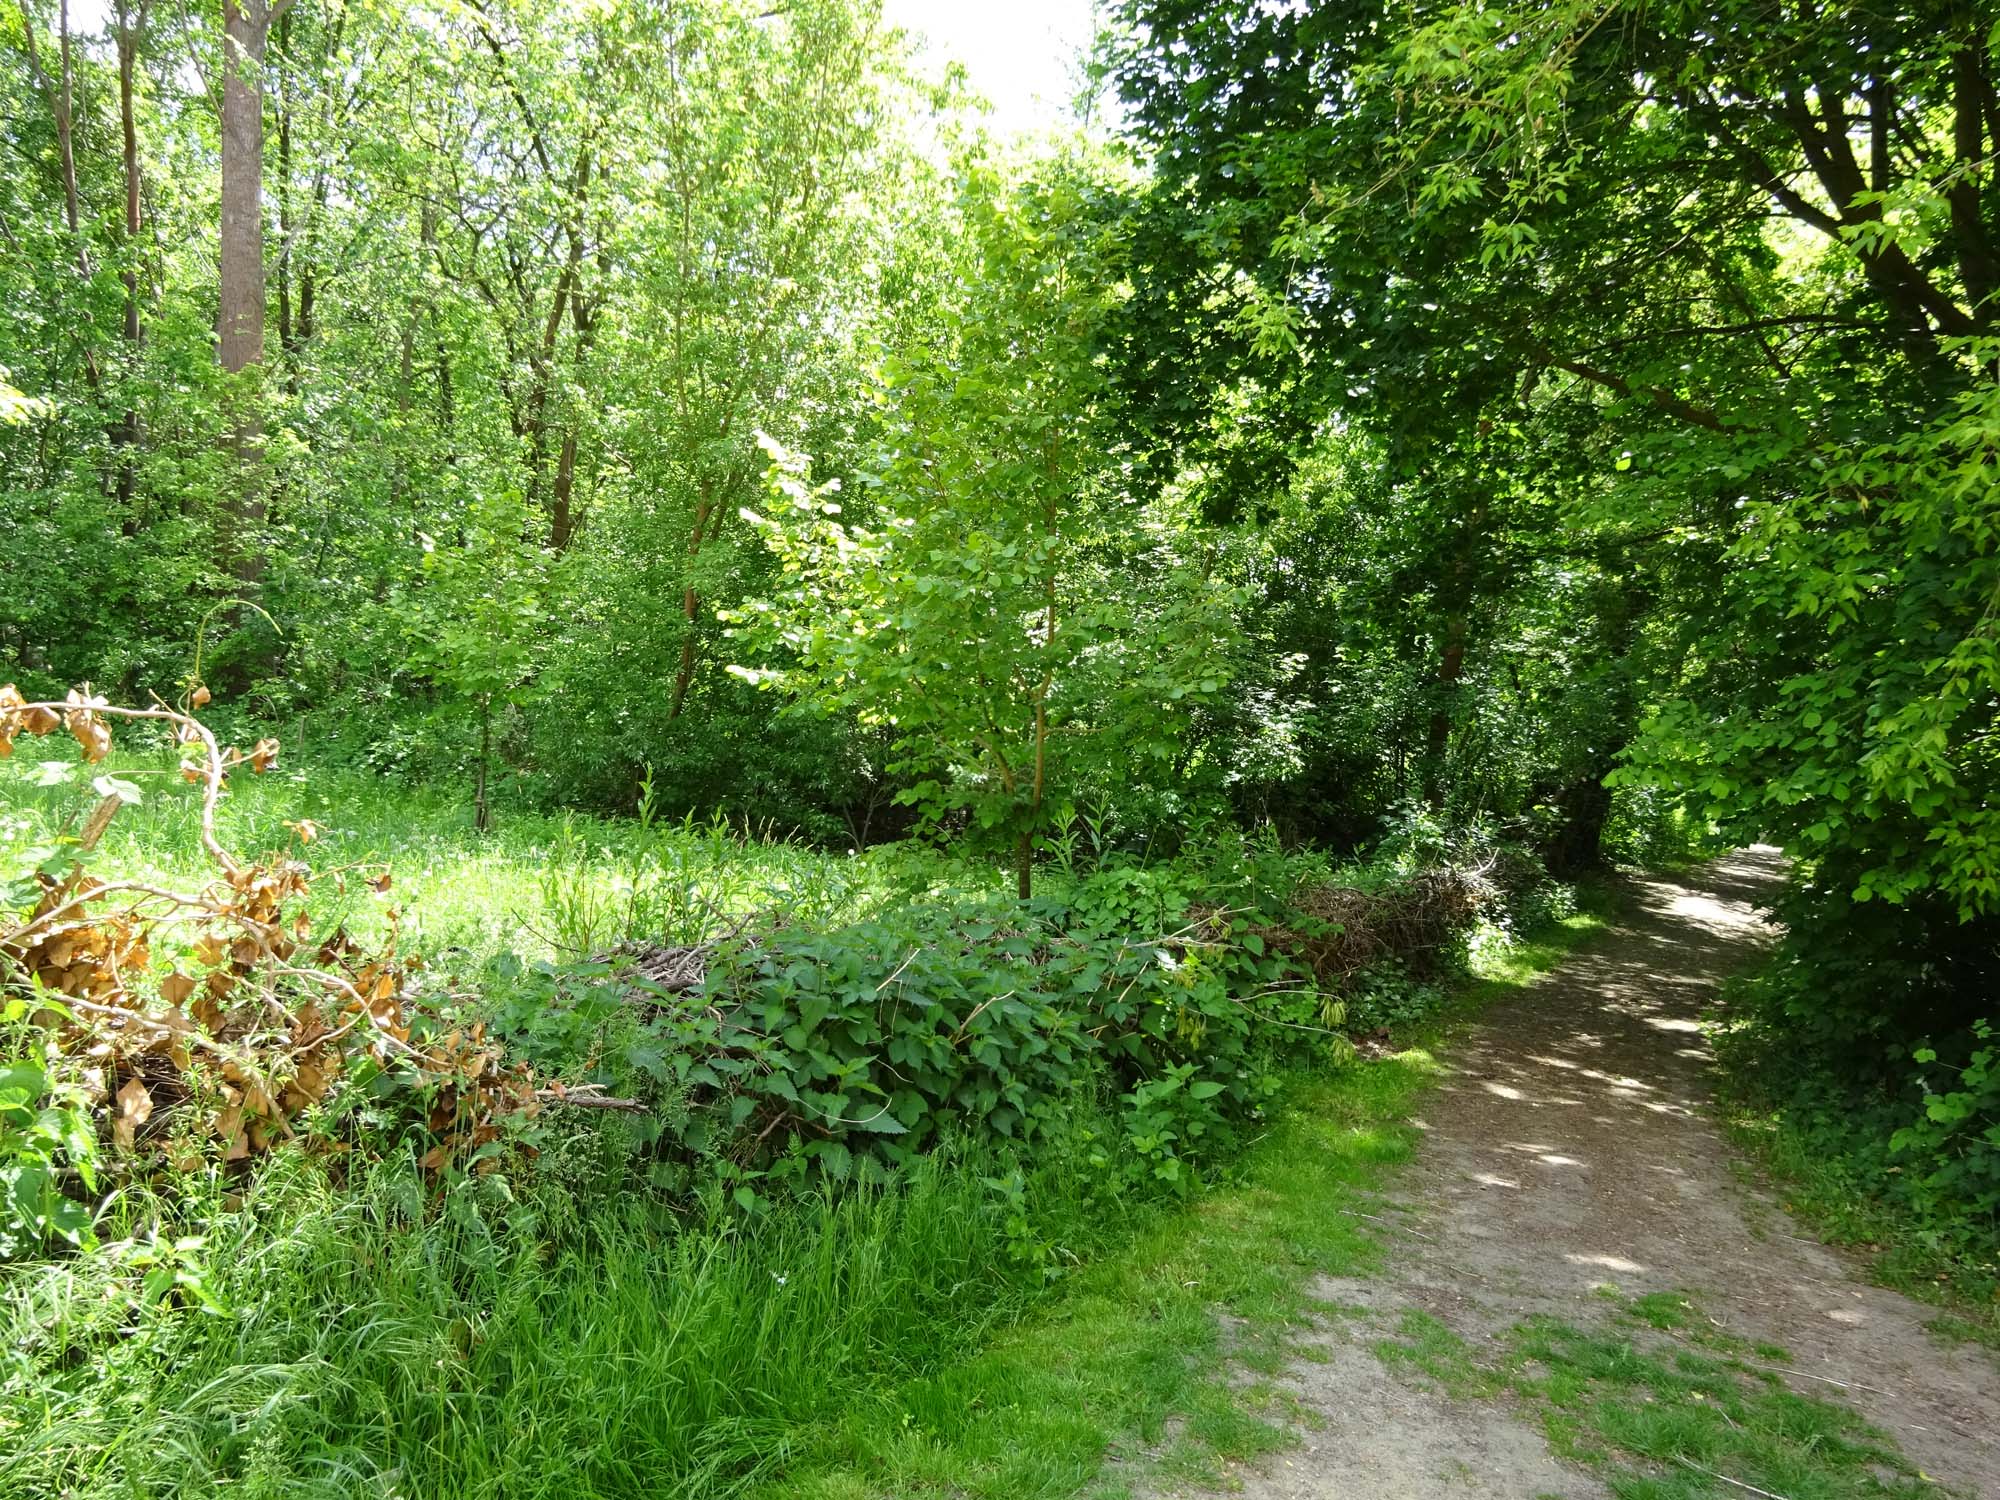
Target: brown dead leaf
(135, 1107)
(91, 732)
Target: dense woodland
(1410, 440)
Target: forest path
(1567, 1152)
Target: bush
(788, 1055)
(1389, 998)
(1873, 1029)
(799, 1056)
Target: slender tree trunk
(287, 334)
(60, 99)
(563, 516)
(482, 815)
(126, 439)
(1456, 602)
(446, 414)
(246, 28)
(1451, 667)
(1024, 865)
(1579, 843)
(691, 604)
(562, 512)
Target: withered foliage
(211, 1022)
(1345, 930)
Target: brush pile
(210, 1023)
(1341, 930)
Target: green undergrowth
(930, 1190)
(999, 1321)
(1861, 1071)
(1664, 1406)
(536, 884)
(1159, 1359)
(1845, 1169)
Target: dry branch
(278, 1023)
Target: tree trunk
(126, 437)
(691, 607)
(1024, 865)
(1451, 667)
(562, 514)
(1579, 844)
(246, 27)
(482, 815)
(287, 333)
(59, 95)
(1455, 601)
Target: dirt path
(1566, 1152)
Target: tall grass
(539, 885)
(355, 1328)
(373, 1341)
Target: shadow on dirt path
(1565, 1153)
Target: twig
(1808, 1375)
(959, 1035)
(899, 970)
(1389, 1224)
(578, 1099)
(1691, 1464)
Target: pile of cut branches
(211, 1022)
(1342, 930)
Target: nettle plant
(1005, 607)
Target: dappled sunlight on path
(1566, 1156)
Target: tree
(246, 32)
(999, 605)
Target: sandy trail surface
(1567, 1151)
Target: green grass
(1665, 1407)
(373, 1341)
(1668, 1409)
(537, 885)
(1135, 1342)
(374, 1334)
(1673, 1422)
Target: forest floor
(1588, 1296)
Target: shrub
(1873, 1027)
(799, 1055)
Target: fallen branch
(1712, 1474)
(1388, 1224)
(1808, 1375)
(582, 1098)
